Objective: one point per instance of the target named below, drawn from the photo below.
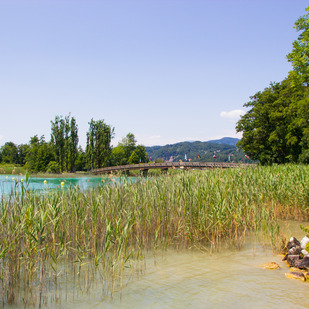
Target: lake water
(197, 279)
(9, 183)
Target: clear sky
(165, 70)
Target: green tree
(32, 154)
(127, 152)
(22, 153)
(274, 129)
(139, 155)
(53, 167)
(299, 56)
(134, 159)
(118, 156)
(64, 136)
(73, 150)
(80, 162)
(98, 147)
(9, 153)
(129, 144)
(67, 142)
(39, 154)
(58, 139)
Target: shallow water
(196, 279)
(199, 280)
(228, 280)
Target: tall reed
(109, 227)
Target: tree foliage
(9, 153)
(57, 138)
(62, 153)
(118, 156)
(299, 56)
(39, 154)
(138, 155)
(127, 152)
(128, 143)
(276, 126)
(64, 136)
(98, 147)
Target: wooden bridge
(144, 167)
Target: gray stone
(292, 259)
(303, 263)
(292, 243)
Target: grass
(108, 228)
(11, 169)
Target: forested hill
(191, 150)
(226, 140)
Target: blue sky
(165, 70)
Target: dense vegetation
(62, 154)
(109, 227)
(276, 127)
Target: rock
(291, 259)
(289, 248)
(270, 265)
(303, 242)
(302, 263)
(296, 275)
(305, 253)
(294, 269)
(292, 243)
(293, 251)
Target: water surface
(192, 279)
(9, 184)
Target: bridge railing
(167, 165)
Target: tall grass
(97, 233)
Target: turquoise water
(12, 183)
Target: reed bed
(92, 236)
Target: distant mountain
(198, 151)
(226, 140)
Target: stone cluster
(297, 257)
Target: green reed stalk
(109, 227)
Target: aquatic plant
(99, 232)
